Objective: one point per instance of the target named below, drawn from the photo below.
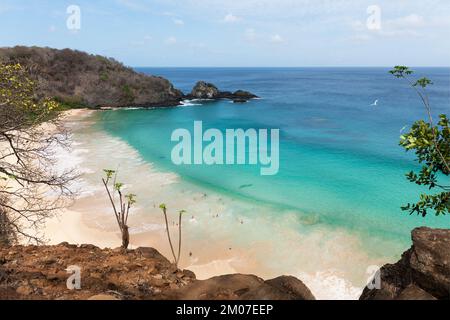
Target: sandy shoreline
(212, 245)
(218, 236)
(70, 226)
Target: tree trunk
(125, 237)
(6, 232)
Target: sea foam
(220, 234)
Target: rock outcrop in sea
(423, 272)
(204, 90)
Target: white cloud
(230, 18)
(52, 28)
(410, 21)
(296, 8)
(402, 26)
(178, 22)
(171, 41)
(440, 22)
(276, 38)
(250, 35)
(400, 33)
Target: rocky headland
(80, 80)
(77, 79)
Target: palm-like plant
(122, 208)
(176, 257)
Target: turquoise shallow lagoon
(340, 164)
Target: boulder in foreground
(423, 272)
(244, 287)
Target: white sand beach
(218, 238)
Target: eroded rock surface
(245, 287)
(422, 273)
(40, 272)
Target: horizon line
(279, 67)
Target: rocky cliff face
(39, 272)
(78, 79)
(423, 273)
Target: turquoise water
(340, 163)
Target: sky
(237, 33)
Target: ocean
(333, 209)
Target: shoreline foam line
(238, 241)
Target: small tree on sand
(122, 208)
(32, 189)
(177, 256)
(431, 144)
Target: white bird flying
(375, 103)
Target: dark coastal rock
(423, 272)
(245, 287)
(430, 262)
(413, 292)
(204, 90)
(291, 286)
(78, 79)
(239, 96)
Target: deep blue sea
(340, 160)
